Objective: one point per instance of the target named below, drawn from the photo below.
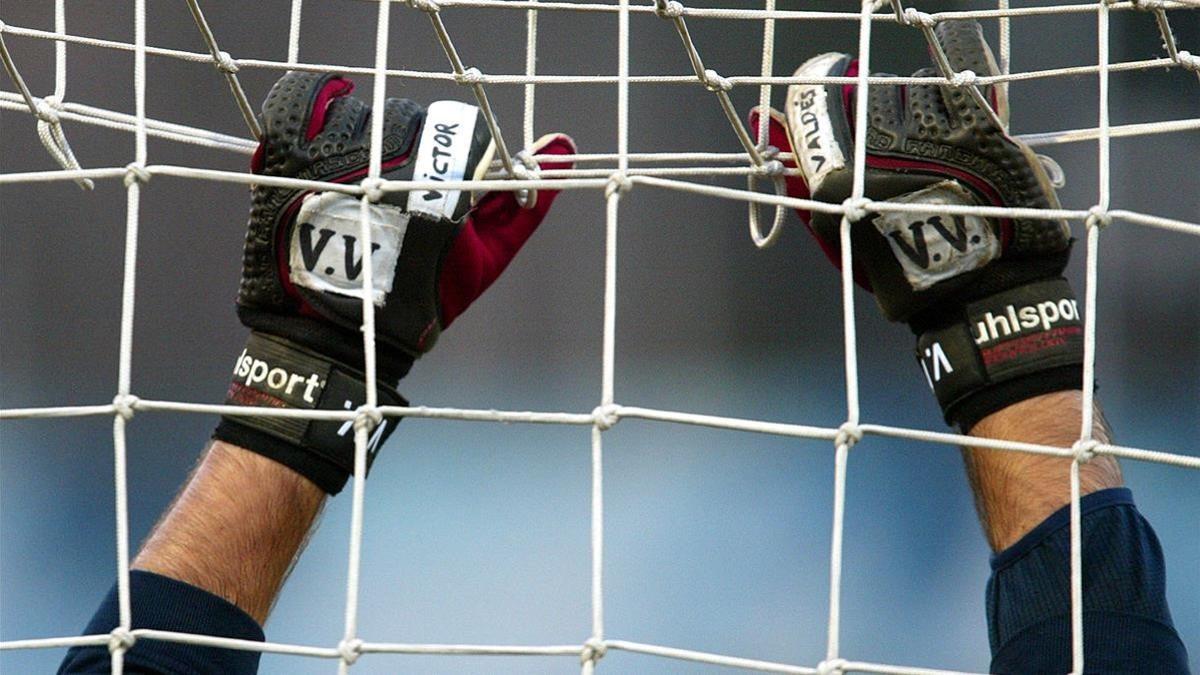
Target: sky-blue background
(715, 540)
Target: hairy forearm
(1014, 491)
(235, 528)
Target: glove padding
(429, 263)
(972, 276)
(433, 253)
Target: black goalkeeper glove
(995, 320)
(433, 253)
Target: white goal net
(658, 46)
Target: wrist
(263, 512)
(274, 372)
(331, 341)
(1002, 349)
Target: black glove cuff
(1003, 349)
(335, 342)
(274, 372)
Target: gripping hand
(433, 252)
(995, 320)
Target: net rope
(615, 176)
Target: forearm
(235, 528)
(1021, 497)
(1014, 491)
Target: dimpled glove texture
(919, 136)
(433, 252)
(995, 321)
(313, 129)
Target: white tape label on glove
(812, 139)
(326, 254)
(932, 247)
(442, 155)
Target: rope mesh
(611, 173)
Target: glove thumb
(493, 234)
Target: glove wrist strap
(277, 373)
(1003, 349)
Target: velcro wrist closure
(1005, 348)
(276, 373)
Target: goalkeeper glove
(433, 253)
(995, 321)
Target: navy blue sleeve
(166, 604)
(1127, 625)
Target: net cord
(293, 49)
(531, 29)
(180, 133)
(225, 63)
(754, 158)
(45, 111)
(1184, 60)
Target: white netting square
(618, 69)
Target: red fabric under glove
(797, 188)
(491, 236)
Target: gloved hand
(995, 320)
(433, 254)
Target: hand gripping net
(615, 174)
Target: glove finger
(493, 234)
(293, 113)
(454, 144)
(927, 108)
(401, 121)
(885, 114)
(819, 119)
(1026, 182)
(965, 48)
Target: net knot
(367, 418)
(527, 159)
(964, 79)
(856, 209)
(47, 110)
(606, 417)
(714, 82)
(1098, 216)
(373, 189)
(225, 63)
(668, 10)
(125, 405)
(617, 182)
(120, 640)
(350, 650)
(769, 165)
(1188, 60)
(136, 173)
(831, 667)
(470, 76)
(430, 6)
(848, 435)
(914, 17)
(520, 171)
(1085, 450)
(50, 133)
(593, 650)
(771, 168)
(526, 167)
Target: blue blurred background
(715, 540)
